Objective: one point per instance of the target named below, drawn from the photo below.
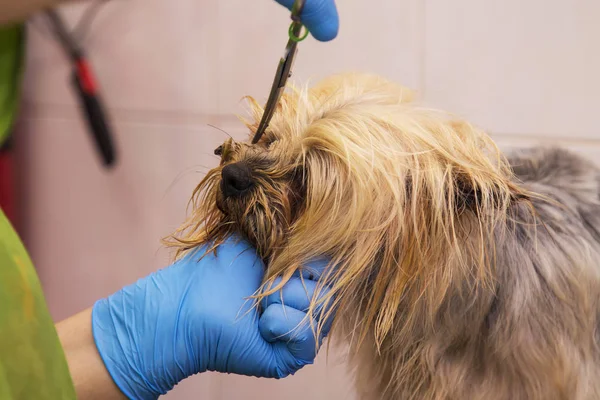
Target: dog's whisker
(221, 130)
(180, 176)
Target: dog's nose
(235, 179)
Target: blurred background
(172, 72)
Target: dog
(458, 271)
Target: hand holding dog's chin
(195, 316)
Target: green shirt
(11, 62)
(32, 362)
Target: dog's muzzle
(236, 179)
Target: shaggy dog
(461, 273)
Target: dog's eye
(219, 151)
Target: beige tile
(203, 57)
(326, 379)
(200, 386)
(383, 39)
(516, 66)
(587, 148)
(102, 229)
(148, 54)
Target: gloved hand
(320, 17)
(194, 316)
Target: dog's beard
(263, 215)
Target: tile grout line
(545, 139)
(197, 121)
(422, 20)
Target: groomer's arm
(13, 11)
(90, 377)
(189, 318)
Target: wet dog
(461, 272)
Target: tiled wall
(525, 70)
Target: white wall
(526, 71)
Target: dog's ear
(470, 196)
(483, 184)
(466, 194)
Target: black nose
(235, 179)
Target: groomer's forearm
(91, 379)
(13, 11)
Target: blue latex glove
(320, 17)
(194, 316)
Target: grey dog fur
(537, 336)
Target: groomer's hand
(320, 17)
(194, 316)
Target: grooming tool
(87, 89)
(283, 69)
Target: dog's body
(536, 335)
(459, 274)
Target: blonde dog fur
(460, 272)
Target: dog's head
(394, 193)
